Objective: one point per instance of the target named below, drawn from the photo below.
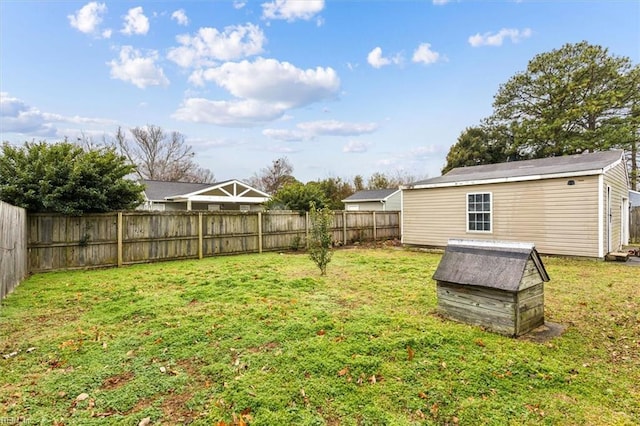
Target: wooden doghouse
(497, 285)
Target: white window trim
(466, 210)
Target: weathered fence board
(634, 227)
(63, 242)
(13, 247)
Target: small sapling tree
(320, 238)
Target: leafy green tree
(480, 145)
(320, 240)
(358, 183)
(335, 190)
(64, 178)
(298, 196)
(569, 100)
(378, 181)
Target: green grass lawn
(265, 340)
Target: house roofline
(506, 179)
(368, 200)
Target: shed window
(479, 212)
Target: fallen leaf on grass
(82, 396)
(343, 371)
(375, 379)
(434, 409)
(410, 353)
(9, 355)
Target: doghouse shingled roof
(487, 264)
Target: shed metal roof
(495, 265)
(580, 164)
(371, 195)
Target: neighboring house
(375, 199)
(574, 205)
(227, 195)
(634, 198)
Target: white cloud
(376, 60)
(180, 17)
(413, 159)
(422, 152)
(355, 147)
(135, 22)
(292, 10)
(76, 119)
(424, 54)
(137, 69)
(263, 90)
(311, 129)
(238, 113)
(239, 4)
(496, 39)
(286, 135)
(19, 117)
(269, 80)
(210, 45)
(88, 19)
(440, 2)
(337, 128)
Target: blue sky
(339, 87)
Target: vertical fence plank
(375, 233)
(259, 232)
(344, 227)
(634, 225)
(306, 229)
(200, 237)
(13, 247)
(119, 232)
(58, 242)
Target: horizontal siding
(558, 218)
(394, 202)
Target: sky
(338, 87)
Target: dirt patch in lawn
(545, 332)
(117, 381)
(267, 347)
(174, 408)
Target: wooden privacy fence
(634, 225)
(13, 247)
(113, 239)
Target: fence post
(306, 229)
(119, 233)
(344, 228)
(200, 248)
(259, 232)
(374, 227)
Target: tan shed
(496, 285)
(574, 205)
